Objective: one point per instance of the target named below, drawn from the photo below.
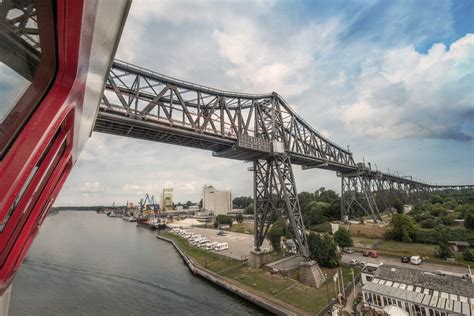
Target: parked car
(362, 264)
(415, 260)
(221, 233)
(405, 259)
(366, 253)
(374, 254)
(348, 250)
(354, 262)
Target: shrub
(467, 255)
(469, 220)
(398, 205)
(427, 223)
(403, 228)
(275, 233)
(323, 250)
(343, 238)
(444, 250)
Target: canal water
(83, 263)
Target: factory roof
(435, 299)
(427, 280)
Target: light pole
(327, 288)
(353, 284)
(342, 284)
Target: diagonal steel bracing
(276, 197)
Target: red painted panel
(75, 21)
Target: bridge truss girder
(369, 194)
(357, 198)
(144, 104)
(276, 197)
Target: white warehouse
(216, 201)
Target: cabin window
(27, 62)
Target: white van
(203, 242)
(196, 241)
(415, 260)
(221, 246)
(194, 237)
(211, 245)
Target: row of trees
(319, 207)
(245, 202)
(404, 228)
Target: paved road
(346, 258)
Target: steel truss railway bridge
(260, 128)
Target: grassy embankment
(398, 249)
(244, 228)
(276, 288)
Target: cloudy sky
(394, 80)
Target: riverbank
(288, 295)
(222, 282)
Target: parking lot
(240, 245)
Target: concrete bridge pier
(259, 258)
(310, 274)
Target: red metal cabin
(54, 58)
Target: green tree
(276, 231)
(323, 250)
(465, 209)
(189, 203)
(249, 209)
(239, 218)
(305, 198)
(448, 219)
(444, 250)
(314, 213)
(436, 199)
(427, 223)
(223, 220)
(324, 195)
(242, 201)
(467, 255)
(403, 228)
(437, 210)
(398, 205)
(343, 238)
(469, 220)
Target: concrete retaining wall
(220, 281)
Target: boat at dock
(151, 222)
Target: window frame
(44, 76)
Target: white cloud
(338, 72)
(407, 94)
(263, 62)
(91, 187)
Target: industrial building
(167, 200)
(216, 201)
(417, 292)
